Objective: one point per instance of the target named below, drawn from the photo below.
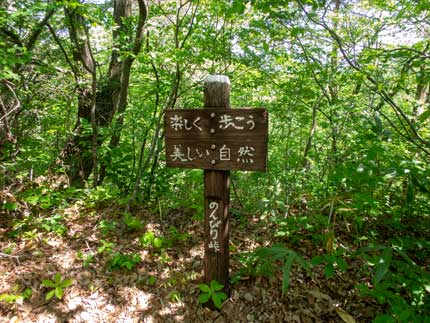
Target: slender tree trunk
(305, 163)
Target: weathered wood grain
(217, 189)
(247, 154)
(197, 123)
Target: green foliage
(106, 247)
(107, 227)
(9, 249)
(87, 258)
(294, 227)
(157, 243)
(101, 194)
(16, 297)
(173, 237)
(398, 282)
(132, 223)
(148, 239)
(164, 257)
(120, 261)
(175, 296)
(271, 255)
(212, 292)
(332, 262)
(30, 226)
(57, 286)
(54, 223)
(151, 281)
(46, 197)
(9, 206)
(266, 261)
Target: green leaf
(48, 283)
(218, 298)
(32, 199)
(404, 256)
(66, 283)
(57, 279)
(59, 292)
(27, 293)
(343, 266)
(329, 270)
(157, 243)
(316, 260)
(5, 297)
(10, 206)
(50, 294)
(385, 318)
(383, 264)
(237, 7)
(147, 238)
(175, 296)
(275, 252)
(303, 263)
(204, 288)
(203, 298)
(378, 124)
(424, 116)
(216, 286)
(286, 272)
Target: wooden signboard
(228, 139)
(217, 139)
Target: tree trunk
(100, 101)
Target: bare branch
(57, 40)
(190, 28)
(31, 42)
(143, 16)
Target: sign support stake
(218, 139)
(217, 196)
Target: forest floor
(163, 286)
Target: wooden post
(217, 139)
(217, 194)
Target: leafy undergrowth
(67, 259)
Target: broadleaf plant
(213, 292)
(57, 286)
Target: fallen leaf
(248, 297)
(317, 294)
(344, 315)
